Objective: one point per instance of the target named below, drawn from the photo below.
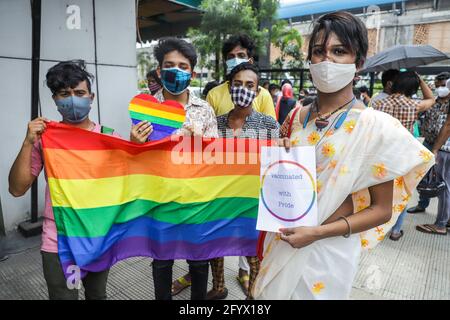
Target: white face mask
(231, 63)
(329, 77)
(443, 92)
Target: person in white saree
(368, 165)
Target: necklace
(322, 121)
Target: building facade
(389, 23)
(419, 22)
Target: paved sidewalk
(416, 267)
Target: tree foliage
(290, 42)
(257, 18)
(224, 18)
(144, 63)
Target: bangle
(348, 234)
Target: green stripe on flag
(97, 222)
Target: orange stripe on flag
(114, 163)
(152, 105)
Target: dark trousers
(443, 173)
(94, 283)
(424, 202)
(162, 278)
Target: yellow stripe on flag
(94, 193)
(157, 113)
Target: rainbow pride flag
(113, 199)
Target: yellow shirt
(220, 100)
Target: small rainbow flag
(165, 117)
(113, 199)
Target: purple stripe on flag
(145, 247)
(159, 131)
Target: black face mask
(301, 97)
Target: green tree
(290, 42)
(224, 18)
(144, 63)
(266, 11)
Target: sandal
(179, 285)
(217, 295)
(416, 209)
(244, 281)
(396, 237)
(430, 228)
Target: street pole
(36, 55)
(264, 58)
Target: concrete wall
(116, 81)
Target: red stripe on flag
(62, 136)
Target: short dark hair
(170, 44)
(242, 67)
(242, 40)
(406, 83)
(389, 75)
(153, 74)
(349, 29)
(209, 86)
(68, 74)
(443, 76)
(308, 100)
(286, 81)
(273, 86)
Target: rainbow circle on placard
(303, 214)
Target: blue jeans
(424, 202)
(398, 225)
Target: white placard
(288, 195)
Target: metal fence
(300, 78)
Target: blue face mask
(231, 63)
(175, 80)
(74, 109)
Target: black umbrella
(403, 57)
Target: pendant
(321, 123)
